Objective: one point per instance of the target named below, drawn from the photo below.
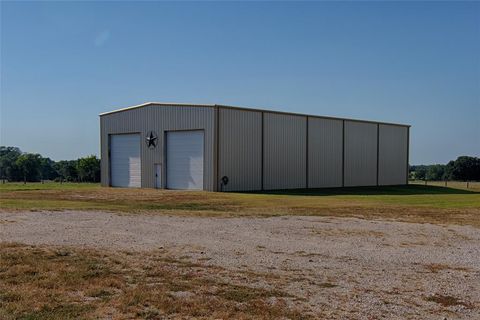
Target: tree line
(464, 168)
(16, 165)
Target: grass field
(80, 282)
(68, 283)
(415, 202)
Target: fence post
(467, 184)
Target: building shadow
(405, 190)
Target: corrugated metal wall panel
(160, 119)
(104, 176)
(240, 149)
(325, 143)
(392, 157)
(360, 154)
(284, 151)
(284, 147)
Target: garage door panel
(185, 159)
(125, 160)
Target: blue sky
(63, 63)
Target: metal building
(225, 148)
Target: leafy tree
(419, 172)
(88, 169)
(29, 165)
(464, 168)
(47, 170)
(449, 167)
(18, 166)
(8, 167)
(67, 170)
(435, 172)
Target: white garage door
(125, 163)
(185, 160)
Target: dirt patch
(341, 268)
(448, 301)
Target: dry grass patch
(327, 285)
(303, 253)
(338, 232)
(67, 283)
(448, 301)
(5, 221)
(437, 267)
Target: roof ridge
(166, 104)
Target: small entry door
(158, 176)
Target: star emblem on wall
(151, 139)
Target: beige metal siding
(104, 168)
(279, 161)
(360, 154)
(240, 149)
(284, 151)
(160, 119)
(392, 157)
(325, 141)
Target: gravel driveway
(341, 267)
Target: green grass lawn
(413, 202)
(30, 186)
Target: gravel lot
(341, 267)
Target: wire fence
(473, 185)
